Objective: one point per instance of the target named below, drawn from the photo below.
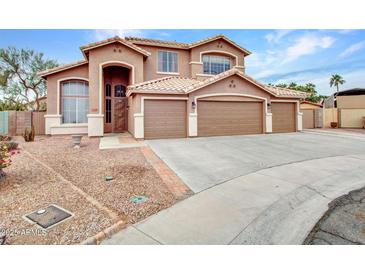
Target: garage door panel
(308, 118)
(217, 118)
(283, 117)
(164, 119)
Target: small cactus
(29, 134)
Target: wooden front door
(116, 109)
(120, 114)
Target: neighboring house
(312, 114)
(162, 89)
(346, 107)
(42, 104)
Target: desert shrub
(29, 134)
(5, 138)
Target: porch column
(193, 124)
(268, 123)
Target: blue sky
(278, 56)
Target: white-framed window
(75, 101)
(215, 64)
(168, 61)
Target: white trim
(218, 51)
(195, 63)
(242, 67)
(93, 115)
(101, 66)
(52, 116)
(168, 73)
(298, 124)
(205, 75)
(227, 94)
(59, 90)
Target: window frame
(177, 63)
(61, 98)
(210, 63)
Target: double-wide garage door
(217, 118)
(164, 119)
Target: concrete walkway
(275, 205)
(119, 140)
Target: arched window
(75, 101)
(215, 64)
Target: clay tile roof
(112, 40)
(148, 41)
(285, 92)
(174, 44)
(171, 84)
(61, 68)
(180, 85)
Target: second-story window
(167, 61)
(215, 64)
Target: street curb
(106, 233)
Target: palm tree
(336, 80)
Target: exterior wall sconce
(193, 105)
(269, 104)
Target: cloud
(101, 34)
(306, 45)
(352, 49)
(275, 37)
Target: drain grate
(48, 216)
(138, 199)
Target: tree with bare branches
(19, 81)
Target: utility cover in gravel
(50, 216)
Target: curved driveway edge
(277, 205)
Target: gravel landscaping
(51, 171)
(343, 223)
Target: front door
(116, 109)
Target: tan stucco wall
(110, 53)
(352, 118)
(151, 63)
(223, 86)
(356, 101)
(329, 116)
(52, 82)
(308, 106)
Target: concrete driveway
(263, 189)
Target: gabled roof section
(44, 73)
(220, 36)
(174, 44)
(179, 85)
(170, 84)
(85, 49)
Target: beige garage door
(164, 119)
(308, 118)
(283, 117)
(229, 118)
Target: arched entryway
(116, 80)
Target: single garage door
(164, 119)
(283, 117)
(229, 118)
(308, 118)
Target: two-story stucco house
(163, 89)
